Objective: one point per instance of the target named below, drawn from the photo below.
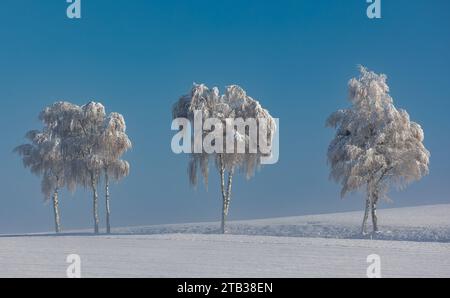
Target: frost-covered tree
(81, 128)
(58, 122)
(41, 155)
(114, 142)
(45, 157)
(95, 144)
(87, 145)
(376, 145)
(76, 145)
(233, 104)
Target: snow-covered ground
(424, 223)
(285, 247)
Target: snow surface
(423, 223)
(193, 250)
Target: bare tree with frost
(79, 129)
(234, 104)
(96, 143)
(76, 145)
(84, 144)
(44, 156)
(376, 145)
(114, 142)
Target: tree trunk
(56, 211)
(224, 195)
(108, 209)
(95, 203)
(230, 182)
(366, 216)
(374, 213)
(222, 225)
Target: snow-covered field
(305, 246)
(424, 223)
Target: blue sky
(137, 57)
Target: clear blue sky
(137, 57)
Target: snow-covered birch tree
(234, 104)
(376, 145)
(84, 143)
(79, 130)
(96, 143)
(75, 147)
(44, 156)
(114, 142)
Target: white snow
(198, 252)
(422, 223)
